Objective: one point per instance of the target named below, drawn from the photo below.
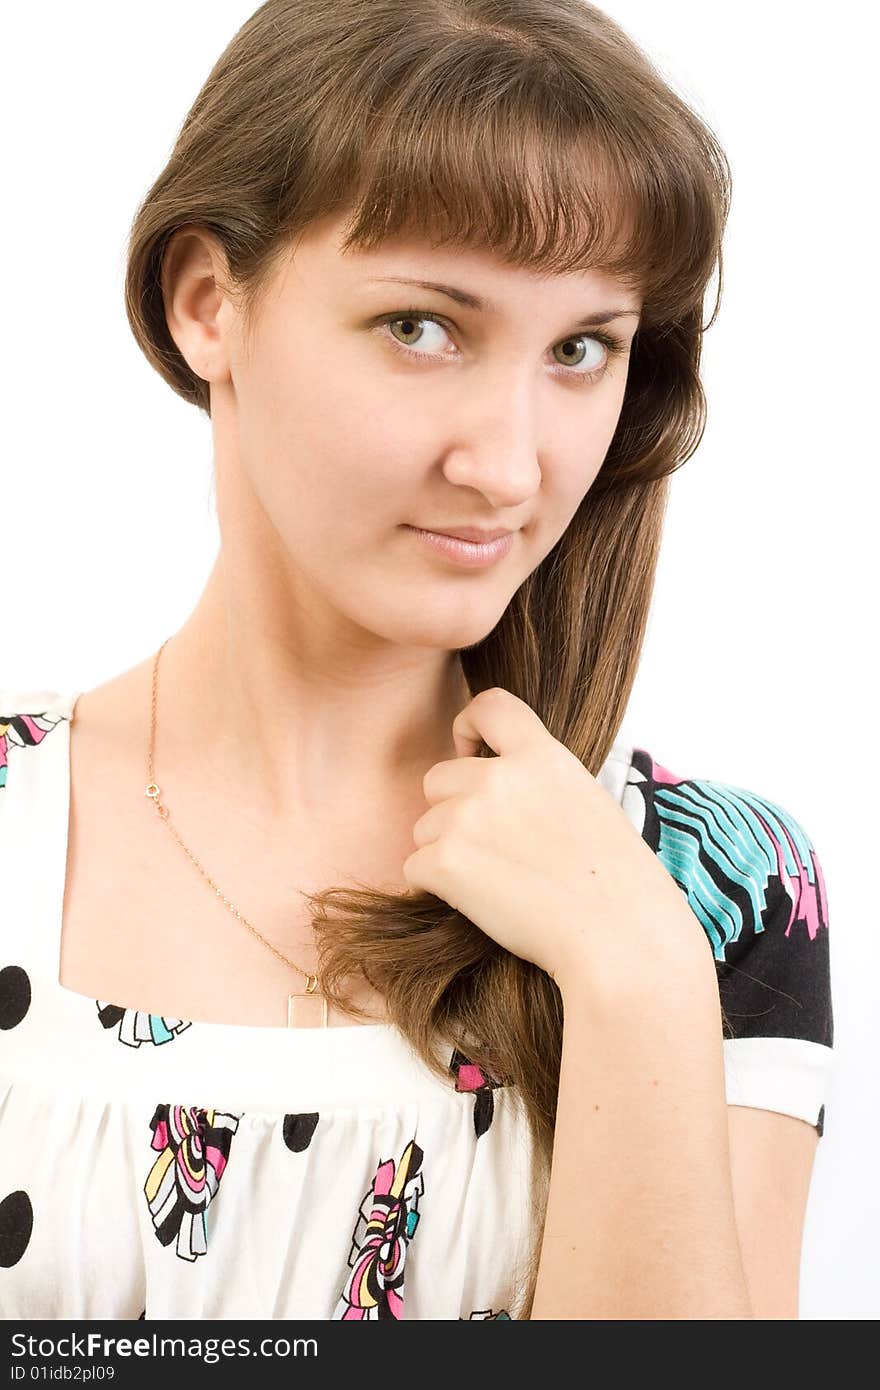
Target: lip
(470, 533)
(473, 554)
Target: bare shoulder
(108, 755)
(117, 708)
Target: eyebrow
(472, 301)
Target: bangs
(519, 158)
(535, 131)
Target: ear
(199, 309)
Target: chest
(144, 926)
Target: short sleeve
(752, 878)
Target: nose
(494, 449)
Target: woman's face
(355, 419)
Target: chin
(447, 628)
(447, 637)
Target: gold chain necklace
(300, 1007)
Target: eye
(597, 350)
(576, 352)
(409, 323)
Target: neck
(299, 711)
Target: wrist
(675, 966)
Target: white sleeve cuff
(790, 1075)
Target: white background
(757, 666)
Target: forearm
(640, 1220)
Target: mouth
(468, 546)
(471, 533)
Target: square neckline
(226, 1028)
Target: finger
(431, 825)
(428, 869)
(453, 777)
(497, 718)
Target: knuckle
(445, 854)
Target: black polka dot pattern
(15, 995)
(16, 1225)
(298, 1131)
(820, 1123)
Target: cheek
(320, 445)
(604, 420)
(578, 464)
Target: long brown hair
(538, 129)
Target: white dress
(155, 1167)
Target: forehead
(482, 273)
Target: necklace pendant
(307, 1010)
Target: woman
(512, 1021)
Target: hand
(536, 853)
